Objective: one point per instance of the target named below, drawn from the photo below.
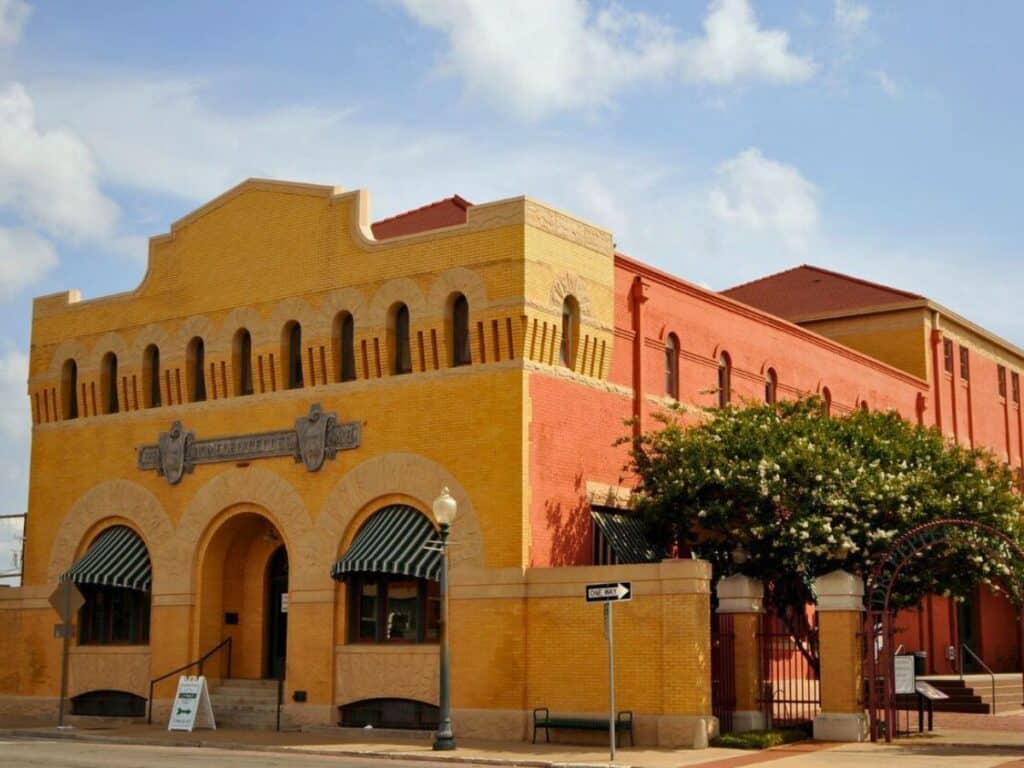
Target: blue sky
(718, 140)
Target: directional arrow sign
(618, 591)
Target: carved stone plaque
(316, 437)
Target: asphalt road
(15, 753)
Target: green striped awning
(392, 542)
(117, 558)
(625, 534)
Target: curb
(274, 749)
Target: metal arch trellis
(879, 657)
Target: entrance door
(277, 614)
(967, 632)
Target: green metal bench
(542, 719)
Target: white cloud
(13, 15)
(48, 177)
(15, 421)
(735, 48)
(539, 56)
(766, 196)
(25, 258)
(887, 84)
(851, 17)
(15, 426)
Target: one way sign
(618, 591)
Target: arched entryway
(243, 587)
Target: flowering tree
(785, 493)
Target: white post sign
(192, 707)
(904, 678)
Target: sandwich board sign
(192, 707)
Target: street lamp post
(445, 509)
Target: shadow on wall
(570, 530)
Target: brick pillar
(742, 597)
(840, 619)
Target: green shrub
(758, 739)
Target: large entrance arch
(242, 594)
(879, 650)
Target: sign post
(66, 600)
(614, 592)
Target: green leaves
(803, 494)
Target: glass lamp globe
(445, 508)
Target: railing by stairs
(225, 643)
(991, 674)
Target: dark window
(672, 366)
(108, 704)
(724, 380)
(390, 713)
(69, 389)
(947, 355)
(346, 340)
(771, 387)
(826, 402)
(195, 370)
(864, 405)
(1015, 387)
(242, 362)
(403, 351)
(293, 354)
(965, 364)
(461, 354)
(108, 382)
(1001, 372)
(151, 376)
(113, 616)
(394, 609)
(570, 332)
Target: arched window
(195, 370)
(461, 354)
(402, 361)
(771, 387)
(826, 402)
(151, 376)
(672, 366)
(69, 389)
(291, 339)
(108, 382)
(241, 361)
(345, 343)
(724, 380)
(570, 332)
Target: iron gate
(790, 694)
(723, 670)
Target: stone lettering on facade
(316, 437)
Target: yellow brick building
(272, 300)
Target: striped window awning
(117, 558)
(392, 542)
(625, 534)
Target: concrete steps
(245, 704)
(973, 693)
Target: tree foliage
(784, 493)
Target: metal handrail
(280, 699)
(198, 662)
(977, 658)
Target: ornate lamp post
(445, 509)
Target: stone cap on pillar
(740, 594)
(839, 591)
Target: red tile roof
(443, 213)
(807, 291)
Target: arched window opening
(345, 344)
(241, 362)
(151, 376)
(672, 366)
(570, 332)
(724, 380)
(291, 339)
(402, 358)
(771, 387)
(826, 402)
(69, 389)
(195, 370)
(108, 383)
(461, 353)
